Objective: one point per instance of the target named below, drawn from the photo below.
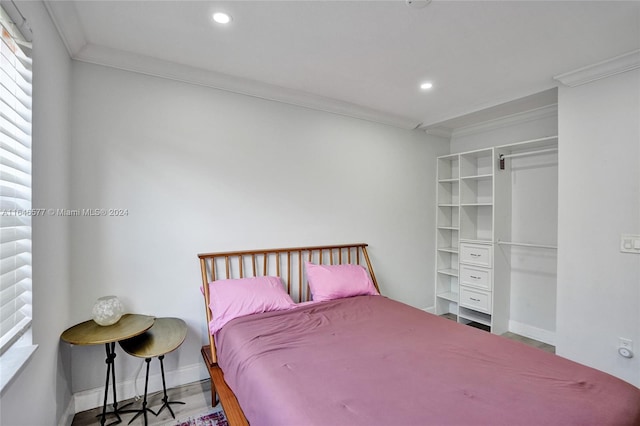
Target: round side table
(166, 335)
(90, 333)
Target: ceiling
(360, 58)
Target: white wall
(203, 170)
(534, 207)
(41, 393)
(599, 192)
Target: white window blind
(15, 186)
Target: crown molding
(626, 62)
(509, 120)
(528, 99)
(440, 131)
(493, 124)
(141, 64)
(65, 18)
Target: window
(15, 187)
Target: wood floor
(509, 335)
(544, 346)
(197, 397)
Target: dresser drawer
(475, 299)
(475, 277)
(476, 254)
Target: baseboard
(67, 417)
(539, 334)
(430, 309)
(92, 398)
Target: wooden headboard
(286, 263)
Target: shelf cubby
(448, 217)
(447, 263)
(476, 190)
(448, 168)
(476, 222)
(476, 163)
(474, 316)
(446, 294)
(449, 193)
(447, 238)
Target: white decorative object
(107, 310)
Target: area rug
(212, 418)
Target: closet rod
(511, 243)
(522, 154)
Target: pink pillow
(328, 282)
(229, 299)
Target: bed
(358, 358)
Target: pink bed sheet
(369, 360)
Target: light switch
(630, 243)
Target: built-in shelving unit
(474, 213)
(448, 229)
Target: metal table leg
(111, 376)
(165, 400)
(144, 408)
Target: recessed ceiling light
(221, 18)
(426, 86)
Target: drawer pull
(474, 255)
(475, 300)
(474, 277)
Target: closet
(496, 227)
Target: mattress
(369, 360)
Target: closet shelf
(451, 296)
(476, 204)
(449, 271)
(478, 177)
(546, 142)
(476, 240)
(475, 316)
(448, 249)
